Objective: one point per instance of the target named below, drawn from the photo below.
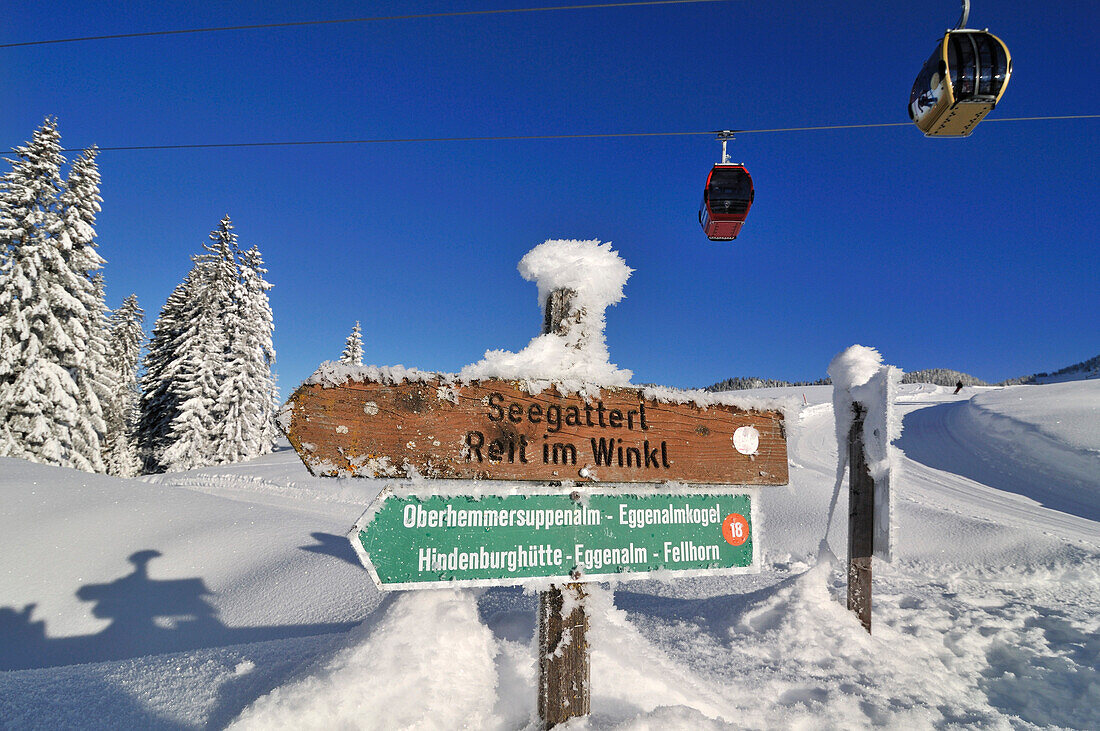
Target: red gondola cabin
(727, 198)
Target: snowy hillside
(197, 599)
(1084, 370)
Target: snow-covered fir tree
(162, 369)
(249, 397)
(209, 390)
(195, 433)
(258, 344)
(29, 218)
(80, 202)
(353, 347)
(49, 305)
(124, 339)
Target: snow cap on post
(859, 376)
(594, 271)
(854, 367)
(577, 359)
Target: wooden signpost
(494, 430)
(578, 521)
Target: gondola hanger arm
(965, 15)
(725, 135)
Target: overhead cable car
(961, 82)
(727, 197)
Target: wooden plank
(494, 430)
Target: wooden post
(563, 656)
(861, 521)
(563, 646)
(559, 306)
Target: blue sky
(978, 254)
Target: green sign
(410, 542)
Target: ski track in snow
(989, 616)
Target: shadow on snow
(147, 617)
(329, 544)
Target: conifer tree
(162, 369)
(29, 216)
(254, 356)
(125, 336)
(197, 433)
(80, 202)
(40, 408)
(46, 256)
(210, 395)
(353, 347)
(247, 397)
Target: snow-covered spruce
(52, 373)
(195, 433)
(252, 396)
(353, 347)
(80, 202)
(162, 370)
(124, 340)
(210, 395)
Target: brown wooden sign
(495, 430)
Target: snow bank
(860, 377)
(661, 718)
(630, 672)
(1076, 404)
(94, 567)
(1015, 443)
(426, 662)
(1016, 423)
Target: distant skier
(958, 387)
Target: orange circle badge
(735, 529)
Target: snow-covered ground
(229, 595)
